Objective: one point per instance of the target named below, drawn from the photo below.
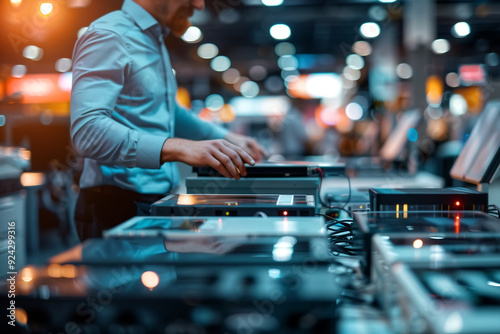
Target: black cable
(321, 177)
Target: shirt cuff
(149, 151)
(219, 132)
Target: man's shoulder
(116, 22)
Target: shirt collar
(141, 16)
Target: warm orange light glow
(150, 279)
(285, 213)
(27, 274)
(457, 203)
(54, 270)
(457, 224)
(16, 2)
(434, 90)
(21, 316)
(186, 200)
(226, 113)
(68, 271)
(40, 88)
(32, 179)
(183, 97)
(298, 88)
(418, 243)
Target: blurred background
(329, 79)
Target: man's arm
(100, 64)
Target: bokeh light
(370, 30)
(220, 63)
(284, 48)
(460, 29)
(208, 51)
(362, 48)
(280, 31)
(192, 35)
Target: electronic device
(413, 199)
(447, 299)
(151, 298)
(435, 251)
(479, 160)
(432, 224)
(254, 185)
(234, 205)
(281, 169)
(194, 227)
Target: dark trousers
(101, 208)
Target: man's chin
(179, 28)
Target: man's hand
(225, 157)
(249, 144)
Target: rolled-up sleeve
(100, 65)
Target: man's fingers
(227, 162)
(219, 166)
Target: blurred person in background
(125, 120)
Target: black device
(435, 224)
(413, 199)
(283, 169)
(234, 205)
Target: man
(126, 122)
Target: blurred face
(174, 14)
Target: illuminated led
(280, 31)
(418, 243)
(457, 203)
(150, 279)
(285, 213)
(46, 8)
(227, 213)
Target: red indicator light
(457, 203)
(285, 213)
